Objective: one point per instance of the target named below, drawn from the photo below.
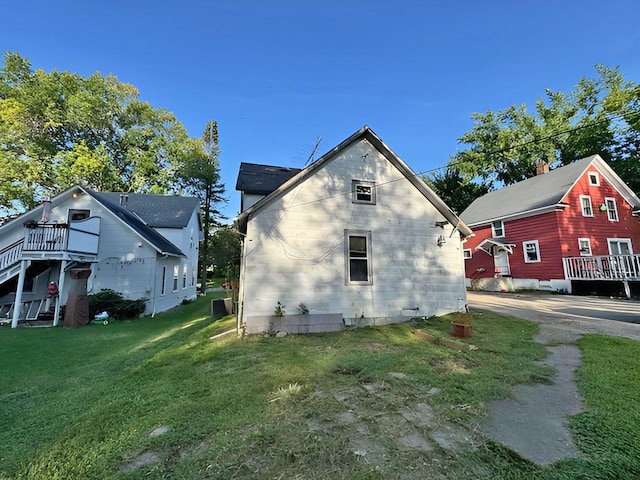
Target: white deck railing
(11, 254)
(602, 267)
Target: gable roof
(262, 179)
(539, 194)
(137, 224)
(367, 134)
(150, 211)
(158, 211)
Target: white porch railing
(10, 255)
(46, 238)
(602, 267)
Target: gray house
(143, 246)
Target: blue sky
(277, 75)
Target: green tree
(456, 191)
(60, 128)
(225, 250)
(199, 175)
(599, 115)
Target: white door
(501, 262)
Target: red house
(572, 229)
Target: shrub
(115, 305)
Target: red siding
(598, 228)
(480, 265)
(557, 233)
(543, 228)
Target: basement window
(363, 191)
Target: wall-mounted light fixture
(442, 240)
(603, 208)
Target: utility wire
(493, 152)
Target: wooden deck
(603, 267)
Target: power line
(453, 163)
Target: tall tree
(200, 176)
(455, 190)
(599, 115)
(225, 250)
(60, 128)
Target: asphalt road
(573, 315)
(535, 421)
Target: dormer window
(594, 179)
(363, 191)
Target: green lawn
(158, 398)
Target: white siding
(295, 247)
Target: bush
(115, 305)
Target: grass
(93, 403)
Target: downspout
(18, 300)
(243, 263)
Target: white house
(356, 238)
(143, 246)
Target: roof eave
(368, 134)
(524, 214)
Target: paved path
(535, 422)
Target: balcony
(75, 241)
(603, 267)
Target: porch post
(56, 315)
(18, 300)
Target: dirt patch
(142, 460)
(378, 423)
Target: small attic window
(594, 179)
(363, 191)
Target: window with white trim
(176, 272)
(358, 257)
(531, 251)
(363, 191)
(612, 210)
(184, 276)
(585, 204)
(620, 246)
(163, 285)
(594, 179)
(584, 245)
(466, 253)
(497, 228)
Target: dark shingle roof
(531, 194)
(137, 223)
(158, 211)
(262, 179)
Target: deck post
(18, 300)
(56, 315)
(627, 289)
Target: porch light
(603, 208)
(442, 240)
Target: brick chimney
(542, 167)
